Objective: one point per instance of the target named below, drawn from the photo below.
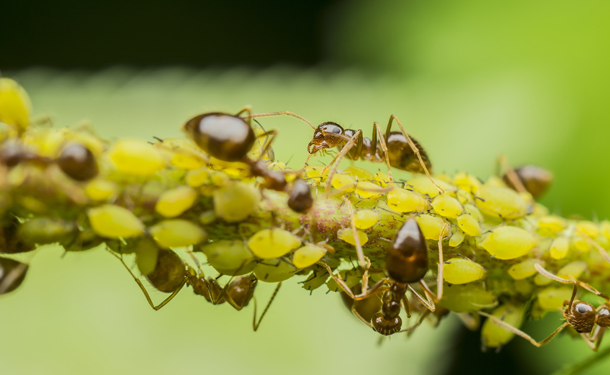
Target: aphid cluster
(216, 197)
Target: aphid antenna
(158, 139)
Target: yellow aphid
(344, 182)
(581, 244)
(307, 255)
(456, 239)
(474, 212)
(469, 225)
(462, 271)
(524, 269)
(467, 298)
(431, 226)
(444, 177)
(501, 202)
(147, 254)
(7, 131)
(605, 228)
(552, 298)
(358, 173)
(464, 197)
(542, 280)
(524, 286)
(366, 218)
(347, 235)
(274, 270)
(207, 217)
(177, 233)
(401, 200)
(509, 242)
(572, 271)
(316, 279)
(112, 221)
(182, 153)
(467, 182)
(495, 181)
(47, 142)
(447, 206)
(559, 248)
(493, 335)
(588, 228)
(273, 243)
(175, 201)
(229, 257)
(382, 178)
(236, 202)
(350, 277)
(15, 104)
(136, 158)
(314, 173)
(552, 224)
(219, 178)
(277, 166)
(86, 138)
(100, 189)
(369, 190)
(425, 186)
(197, 177)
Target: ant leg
(405, 305)
(384, 148)
(428, 302)
(359, 250)
(338, 159)
(419, 322)
(285, 113)
(375, 289)
(223, 292)
(546, 273)
(360, 316)
(518, 332)
(415, 148)
(256, 324)
(150, 302)
(510, 173)
(601, 250)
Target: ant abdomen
(407, 259)
(169, 272)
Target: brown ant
(580, 315)
(531, 178)
(406, 263)
(229, 138)
(171, 274)
(12, 274)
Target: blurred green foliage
(469, 79)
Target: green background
(469, 79)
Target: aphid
(533, 179)
(580, 315)
(230, 138)
(406, 263)
(509, 242)
(171, 274)
(462, 271)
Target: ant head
(327, 135)
(603, 317)
(385, 326)
(581, 316)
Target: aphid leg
(441, 263)
(518, 332)
(256, 324)
(510, 173)
(338, 159)
(419, 322)
(384, 148)
(546, 273)
(273, 134)
(285, 113)
(375, 289)
(601, 250)
(428, 302)
(414, 148)
(150, 301)
(359, 251)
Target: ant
(528, 178)
(580, 315)
(406, 263)
(171, 274)
(397, 149)
(229, 138)
(12, 274)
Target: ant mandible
(397, 149)
(229, 138)
(580, 315)
(172, 273)
(406, 263)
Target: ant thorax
(603, 317)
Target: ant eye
(582, 308)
